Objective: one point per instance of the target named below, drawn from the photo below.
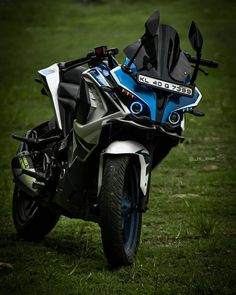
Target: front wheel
(120, 220)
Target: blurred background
(188, 238)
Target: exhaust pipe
(23, 169)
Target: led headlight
(174, 118)
(136, 107)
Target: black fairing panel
(68, 93)
(73, 75)
(83, 103)
(67, 110)
(78, 188)
(69, 90)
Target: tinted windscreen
(160, 56)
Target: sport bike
(113, 124)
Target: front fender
(129, 147)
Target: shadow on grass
(83, 248)
(64, 250)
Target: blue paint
(132, 67)
(47, 71)
(106, 73)
(98, 74)
(176, 102)
(143, 92)
(146, 95)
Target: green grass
(188, 234)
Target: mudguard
(129, 147)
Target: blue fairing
(141, 91)
(144, 93)
(132, 66)
(176, 102)
(98, 74)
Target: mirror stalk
(136, 53)
(196, 68)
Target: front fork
(143, 158)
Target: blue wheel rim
(130, 216)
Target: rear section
(33, 219)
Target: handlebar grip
(209, 63)
(75, 62)
(203, 62)
(113, 51)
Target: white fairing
(194, 104)
(51, 75)
(129, 147)
(182, 124)
(190, 106)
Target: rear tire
(120, 221)
(31, 221)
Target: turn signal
(127, 93)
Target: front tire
(31, 221)
(120, 220)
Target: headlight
(136, 107)
(174, 118)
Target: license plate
(168, 86)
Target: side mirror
(195, 37)
(152, 24)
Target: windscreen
(160, 55)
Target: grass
(203, 222)
(184, 249)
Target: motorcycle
(113, 124)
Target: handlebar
(203, 62)
(99, 53)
